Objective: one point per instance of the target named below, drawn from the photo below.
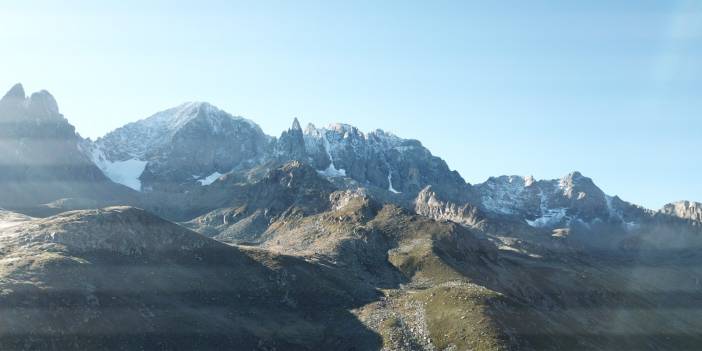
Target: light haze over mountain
(193, 229)
(612, 90)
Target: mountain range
(193, 229)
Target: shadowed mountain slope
(40, 157)
(120, 278)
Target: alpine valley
(192, 229)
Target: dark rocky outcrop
(40, 156)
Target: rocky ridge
(684, 209)
(329, 238)
(176, 155)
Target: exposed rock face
(291, 144)
(428, 204)
(684, 209)
(379, 159)
(195, 144)
(246, 210)
(344, 199)
(342, 259)
(179, 147)
(176, 155)
(550, 203)
(40, 158)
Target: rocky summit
(192, 229)
(186, 145)
(41, 156)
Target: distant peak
(383, 133)
(194, 106)
(296, 125)
(684, 209)
(16, 92)
(41, 103)
(342, 127)
(44, 102)
(203, 104)
(574, 175)
(310, 128)
(685, 204)
(346, 130)
(179, 116)
(572, 178)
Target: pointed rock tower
(291, 145)
(40, 157)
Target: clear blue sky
(610, 88)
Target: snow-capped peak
(175, 118)
(192, 138)
(135, 139)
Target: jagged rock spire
(12, 102)
(296, 125)
(43, 103)
(16, 92)
(291, 144)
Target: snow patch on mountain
(550, 218)
(504, 193)
(390, 188)
(571, 199)
(125, 172)
(172, 145)
(331, 171)
(209, 179)
(376, 158)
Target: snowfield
(210, 178)
(125, 172)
